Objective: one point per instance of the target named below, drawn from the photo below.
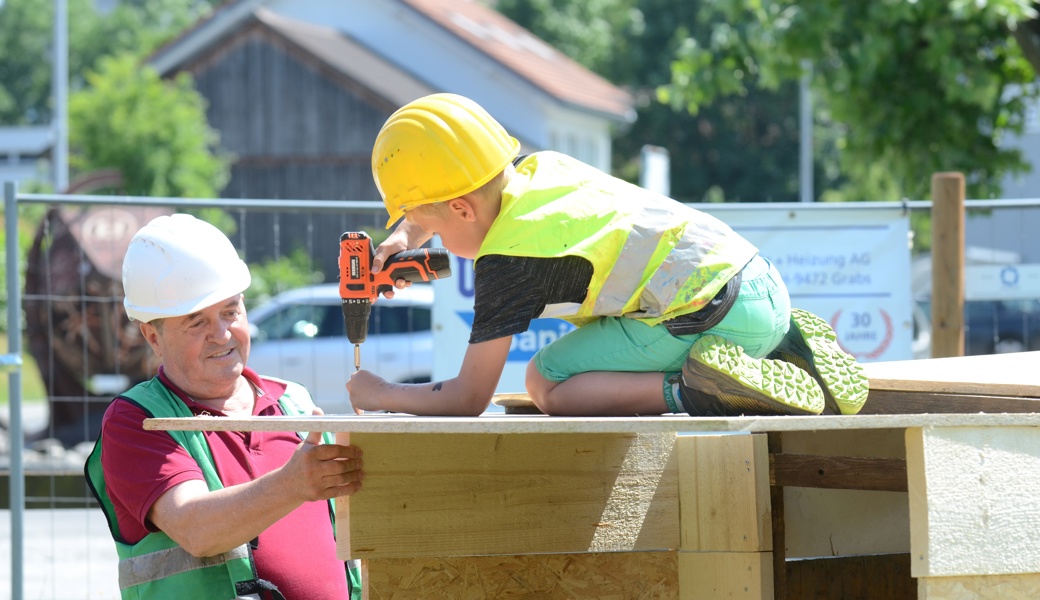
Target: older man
(216, 514)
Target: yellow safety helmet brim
(437, 148)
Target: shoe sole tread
(748, 384)
(845, 386)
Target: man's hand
(321, 471)
(206, 523)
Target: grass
(33, 388)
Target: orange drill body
(359, 288)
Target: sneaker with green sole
(812, 345)
(719, 379)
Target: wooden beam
(838, 472)
(743, 575)
(776, 511)
(724, 493)
(884, 402)
(947, 264)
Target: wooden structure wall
(298, 130)
(924, 502)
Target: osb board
(983, 587)
(481, 494)
(620, 575)
(1016, 374)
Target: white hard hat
(176, 265)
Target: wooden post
(725, 521)
(947, 265)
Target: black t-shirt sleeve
(511, 291)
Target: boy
(675, 311)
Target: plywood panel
(974, 501)
(483, 494)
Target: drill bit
(357, 357)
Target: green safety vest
(653, 258)
(156, 567)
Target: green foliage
(742, 148)
(134, 27)
(26, 37)
(273, 277)
(154, 131)
(591, 32)
(921, 86)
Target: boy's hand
(365, 388)
(407, 236)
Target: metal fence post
(13, 363)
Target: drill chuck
(355, 316)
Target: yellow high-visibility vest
(653, 258)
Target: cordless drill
(359, 288)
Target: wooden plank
(513, 424)
(477, 494)
(948, 264)
(1012, 375)
(908, 402)
(982, 587)
(838, 472)
(724, 493)
(737, 575)
(870, 577)
(636, 575)
(775, 443)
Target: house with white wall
(298, 90)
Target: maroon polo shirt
(297, 553)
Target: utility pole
(60, 83)
(805, 129)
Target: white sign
(1001, 282)
(850, 267)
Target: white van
(299, 335)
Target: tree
(154, 131)
(919, 87)
(742, 148)
(27, 35)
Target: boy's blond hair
(487, 193)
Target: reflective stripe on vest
(653, 258)
(160, 564)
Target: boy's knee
(538, 388)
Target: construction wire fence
(63, 259)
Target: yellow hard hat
(436, 148)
